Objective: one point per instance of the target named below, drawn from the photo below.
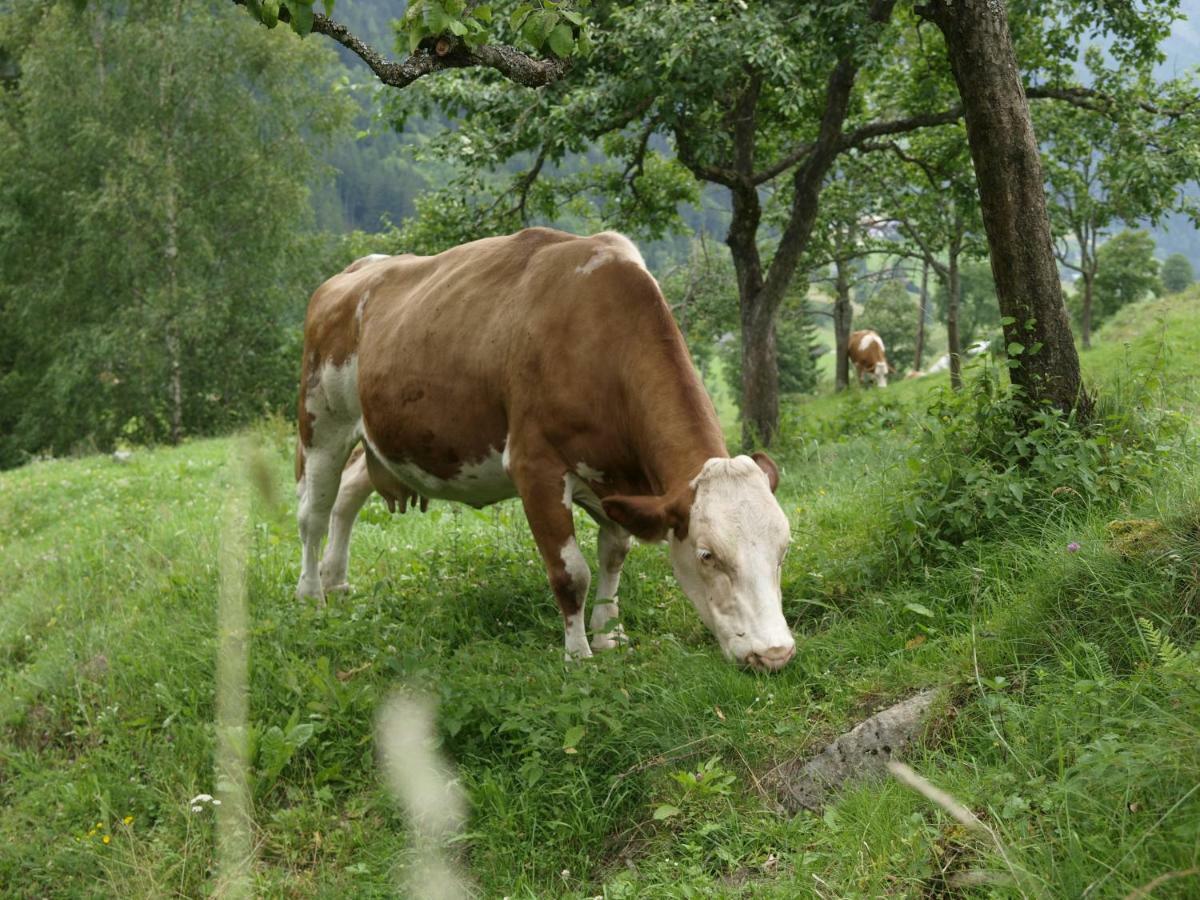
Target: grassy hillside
(1062, 625)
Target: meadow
(1055, 604)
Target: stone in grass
(861, 752)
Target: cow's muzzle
(770, 660)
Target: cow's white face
(881, 373)
(730, 559)
(728, 537)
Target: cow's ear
(769, 468)
(647, 518)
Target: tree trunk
(921, 312)
(171, 246)
(1012, 199)
(1085, 318)
(760, 379)
(843, 313)
(953, 291)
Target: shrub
(1177, 274)
(985, 459)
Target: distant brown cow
(545, 366)
(866, 351)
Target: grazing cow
(866, 351)
(546, 366)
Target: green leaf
(483, 13)
(458, 28)
(436, 19)
(1007, 320)
(1015, 349)
(518, 16)
(573, 17)
(531, 31)
(328, 7)
(270, 13)
(919, 609)
(573, 736)
(302, 18)
(562, 40)
(665, 811)
(415, 33)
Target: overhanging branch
(448, 52)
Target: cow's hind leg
(613, 547)
(550, 520)
(318, 491)
(355, 489)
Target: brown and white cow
(866, 351)
(546, 366)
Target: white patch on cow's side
(595, 261)
(869, 340)
(583, 470)
(614, 247)
(362, 305)
(479, 483)
(741, 529)
(622, 246)
(505, 458)
(568, 491)
(374, 257)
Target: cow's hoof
(310, 590)
(575, 653)
(342, 587)
(614, 637)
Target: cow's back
(455, 351)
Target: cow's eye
(705, 556)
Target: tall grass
(1066, 633)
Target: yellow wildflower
(128, 820)
(106, 838)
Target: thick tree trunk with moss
(1012, 199)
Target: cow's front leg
(613, 547)
(553, 528)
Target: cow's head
(881, 372)
(728, 536)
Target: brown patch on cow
(463, 351)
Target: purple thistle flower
(1073, 547)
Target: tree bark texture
(843, 314)
(953, 293)
(1012, 199)
(1085, 324)
(922, 308)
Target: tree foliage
(1128, 272)
(153, 257)
(1177, 273)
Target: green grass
(1073, 730)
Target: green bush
(984, 459)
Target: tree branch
(448, 52)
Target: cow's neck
(677, 429)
